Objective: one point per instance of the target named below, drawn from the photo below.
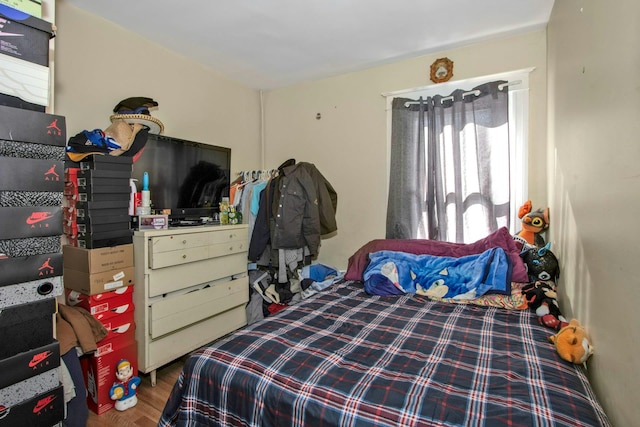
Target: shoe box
(44, 409)
(98, 193)
(99, 370)
(24, 174)
(105, 307)
(26, 327)
(31, 7)
(26, 292)
(28, 268)
(24, 59)
(18, 124)
(27, 364)
(95, 271)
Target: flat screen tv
(189, 178)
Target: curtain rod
(471, 92)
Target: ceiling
(266, 44)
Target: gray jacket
(303, 208)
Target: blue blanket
(397, 273)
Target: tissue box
(153, 222)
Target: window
(459, 225)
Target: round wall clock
(441, 70)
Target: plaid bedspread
(344, 358)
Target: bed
(344, 357)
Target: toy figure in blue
(124, 391)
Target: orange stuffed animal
(572, 343)
(533, 223)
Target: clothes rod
(471, 92)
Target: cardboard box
(20, 174)
(28, 268)
(98, 260)
(99, 372)
(18, 124)
(30, 222)
(45, 409)
(24, 55)
(29, 363)
(91, 284)
(32, 7)
(25, 327)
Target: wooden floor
(151, 401)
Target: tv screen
(188, 177)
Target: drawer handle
(184, 256)
(184, 242)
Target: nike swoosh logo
(39, 217)
(38, 358)
(43, 403)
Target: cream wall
(594, 110)
(349, 143)
(98, 64)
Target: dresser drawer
(166, 280)
(176, 312)
(167, 251)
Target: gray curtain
(449, 166)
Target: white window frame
(518, 126)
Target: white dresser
(191, 287)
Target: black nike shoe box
(113, 163)
(28, 268)
(18, 124)
(91, 221)
(29, 363)
(102, 177)
(96, 229)
(91, 206)
(18, 174)
(106, 239)
(104, 197)
(45, 409)
(25, 327)
(36, 221)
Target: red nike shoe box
(99, 371)
(45, 409)
(29, 268)
(24, 327)
(121, 331)
(29, 363)
(107, 306)
(74, 297)
(30, 221)
(18, 124)
(71, 174)
(20, 174)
